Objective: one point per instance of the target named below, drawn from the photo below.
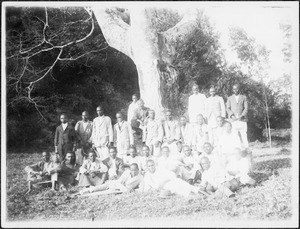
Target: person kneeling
(92, 172)
(128, 181)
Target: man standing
(171, 132)
(139, 118)
(123, 136)
(65, 137)
(83, 130)
(153, 134)
(186, 132)
(132, 107)
(102, 133)
(237, 109)
(196, 104)
(214, 107)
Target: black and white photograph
(150, 114)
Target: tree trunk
(152, 53)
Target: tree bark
(152, 53)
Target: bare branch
(84, 54)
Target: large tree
(131, 32)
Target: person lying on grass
(40, 171)
(213, 180)
(67, 172)
(129, 181)
(238, 168)
(114, 164)
(163, 180)
(92, 172)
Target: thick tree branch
(114, 29)
(178, 34)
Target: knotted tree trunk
(130, 32)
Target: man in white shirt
(153, 134)
(196, 105)
(167, 161)
(200, 135)
(238, 168)
(216, 133)
(132, 107)
(171, 132)
(133, 158)
(102, 134)
(186, 132)
(145, 157)
(123, 136)
(214, 107)
(213, 179)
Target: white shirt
(196, 106)
(237, 98)
(84, 124)
(64, 126)
(131, 109)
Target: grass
(270, 199)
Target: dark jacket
(65, 137)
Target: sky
(261, 23)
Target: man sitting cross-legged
(114, 164)
(128, 181)
(132, 158)
(188, 165)
(92, 172)
(40, 171)
(168, 161)
(238, 168)
(213, 179)
(164, 180)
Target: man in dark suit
(237, 109)
(65, 138)
(114, 164)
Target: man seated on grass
(188, 165)
(92, 172)
(114, 164)
(164, 180)
(128, 181)
(132, 158)
(168, 161)
(145, 157)
(40, 171)
(67, 172)
(213, 179)
(238, 168)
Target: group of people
(208, 154)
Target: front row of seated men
(182, 172)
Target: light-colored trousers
(180, 187)
(102, 152)
(241, 127)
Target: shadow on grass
(264, 169)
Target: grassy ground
(270, 199)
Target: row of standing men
(100, 134)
